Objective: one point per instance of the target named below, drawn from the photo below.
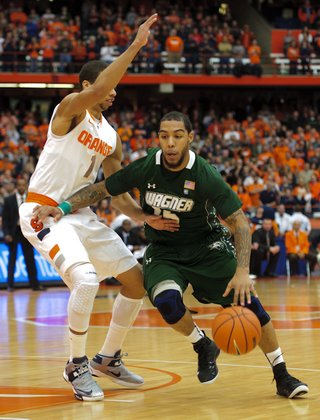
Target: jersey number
(90, 169)
(166, 214)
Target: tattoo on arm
(88, 196)
(242, 237)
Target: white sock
(195, 336)
(77, 344)
(124, 313)
(275, 357)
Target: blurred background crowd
(266, 147)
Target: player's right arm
(90, 195)
(76, 103)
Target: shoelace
(82, 370)
(119, 361)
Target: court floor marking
(2, 356)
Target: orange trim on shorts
(54, 251)
(41, 199)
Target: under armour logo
(148, 261)
(152, 186)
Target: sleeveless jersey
(71, 162)
(195, 196)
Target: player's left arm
(241, 282)
(126, 204)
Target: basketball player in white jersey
(82, 250)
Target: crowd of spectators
(271, 160)
(294, 14)
(267, 158)
(34, 41)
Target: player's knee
(86, 285)
(170, 305)
(258, 309)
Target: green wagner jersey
(194, 196)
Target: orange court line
(57, 396)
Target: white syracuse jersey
(69, 163)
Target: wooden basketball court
(35, 347)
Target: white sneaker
(77, 374)
(113, 368)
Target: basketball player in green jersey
(178, 184)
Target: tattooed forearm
(242, 237)
(88, 196)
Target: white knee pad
(86, 285)
(165, 285)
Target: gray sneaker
(78, 376)
(112, 368)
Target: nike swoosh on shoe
(115, 374)
(85, 392)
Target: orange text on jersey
(94, 143)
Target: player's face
(108, 100)
(174, 141)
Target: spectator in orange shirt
(254, 52)
(306, 14)
(245, 198)
(122, 40)
(43, 130)
(7, 144)
(30, 131)
(18, 18)
(293, 54)
(279, 153)
(72, 27)
(79, 54)
(153, 140)
(6, 164)
(48, 45)
(264, 155)
(111, 35)
(104, 213)
(215, 128)
(56, 25)
(299, 191)
(254, 191)
(292, 162)
(229, 120)
(137, 142)
(174, 47)
(261, 125)
(246, 37)
(297, 247)
(33, 49)
(125, 133)
(315, 186)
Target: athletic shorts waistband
(41, 199)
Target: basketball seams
(248, 316)
(229, 317)
(239, 336)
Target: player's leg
(108, 362)
(108, 251)
(167, 297)
(287, 386)
(83, 283)
(60, 245)
(165, 285)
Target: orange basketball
(236, 330)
